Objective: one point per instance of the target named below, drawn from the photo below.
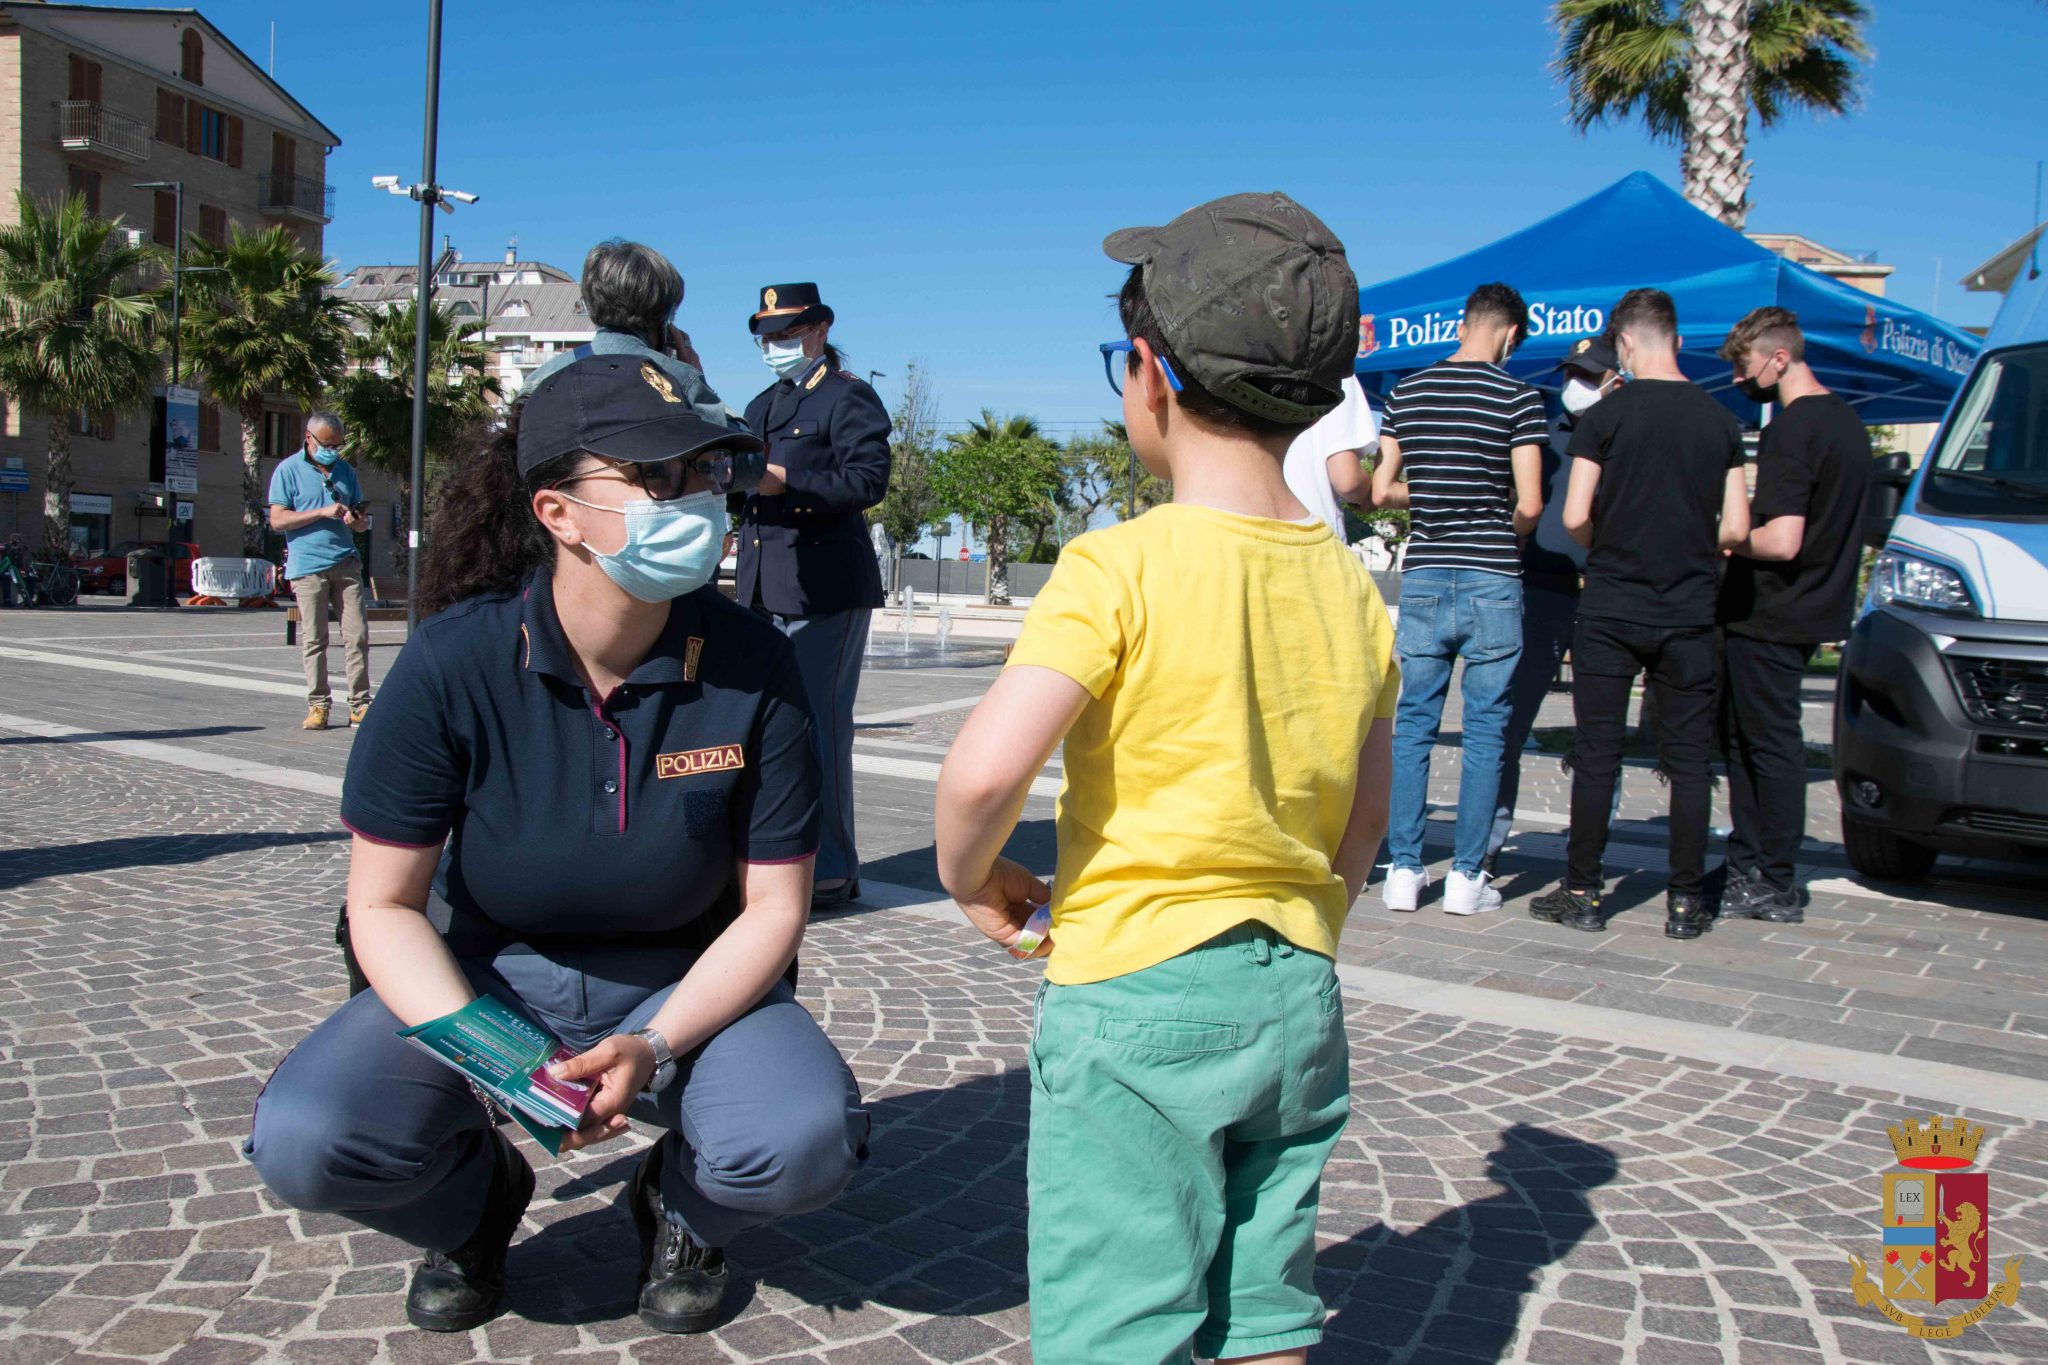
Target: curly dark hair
(484, 538)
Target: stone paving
(1501, 1193)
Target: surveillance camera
(461, 196)
(384, 182)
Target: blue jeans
(1448, 614)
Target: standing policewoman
(804, 556)
(603, 773)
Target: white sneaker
(1403, 888)
(1471, 895)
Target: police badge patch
(1936, 1223)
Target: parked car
(1941, 715)
(109, 572)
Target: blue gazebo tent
(1895, 363)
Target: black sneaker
(1686, 915)
(1767, 903)
(836, 898)
(1490, 865)
(453, 1291)
(682, 1283)
(1741, 889)
(1573, 909)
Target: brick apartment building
(94, 99)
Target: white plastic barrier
(229, 579)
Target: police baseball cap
(1249, 289)
(624, 407)
(1593, 355)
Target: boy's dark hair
(1769, 328)
(1645, 312)
(1196, 401)
(1498, 302)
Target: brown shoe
(356, 713)
(316, 718)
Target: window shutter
(193, 66)
(165, 230)
(93, 88)
(170, 118)
(192, 115)
(209, 426)
(77, 85)
(234, 141)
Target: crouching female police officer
(618, 763)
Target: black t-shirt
(1664, 449)
(1814, 462)
(566, 814)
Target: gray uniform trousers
(764, 1119)
(829, 651)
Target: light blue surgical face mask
(784, 357)
(325, 455)
(672, 547)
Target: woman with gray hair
(632, 292)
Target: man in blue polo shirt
(316, 502)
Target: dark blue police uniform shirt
(806, 552)
(568, 814)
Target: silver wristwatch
(664, 1061)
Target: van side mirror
(1889, 475)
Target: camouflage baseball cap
(1250, 288)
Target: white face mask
(783, 357)
(1579, 395)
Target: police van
(1941, 714)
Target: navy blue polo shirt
(570, 814)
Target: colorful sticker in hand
(1035, 935)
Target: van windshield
(1993, 458)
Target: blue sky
(946, 172)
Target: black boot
(682, 1283)
(453, 1291)
(1573, 909)
(1686, 915)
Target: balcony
(283, 195)
(93, 130)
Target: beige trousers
(340, 587)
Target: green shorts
(1180, 1119)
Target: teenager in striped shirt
(1469, 439)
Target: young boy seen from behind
(1221, 671)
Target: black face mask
(1756, 392)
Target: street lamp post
(178, 273)
(429, 194)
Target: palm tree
(1695, 70)
(998, 470)
(375, 397)
(78, 328)
(262, 324)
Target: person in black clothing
(1791, 586)
(804, 557)
(1656, 494)
(1552, 563)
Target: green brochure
(506, 1057)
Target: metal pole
(428, 194)
(177, 316)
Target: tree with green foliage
(997, 471)
(1101, 472)
(910, 508)
(1695, 69)
(78, 329)
(258, 321)
(375, 397)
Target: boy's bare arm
(1387, 488)
(1360, 847)
(1578, 500)
(982, 787)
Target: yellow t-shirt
(1235, 664)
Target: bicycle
(53, 582)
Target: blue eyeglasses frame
(1112, 349)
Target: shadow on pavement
(935, 1224)
(20, 866)
(99, 736)
(1033, 844)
